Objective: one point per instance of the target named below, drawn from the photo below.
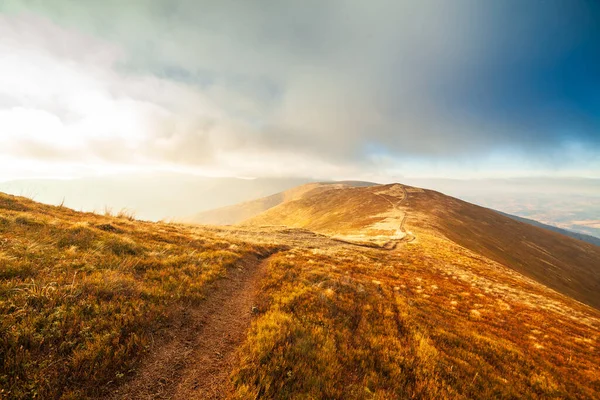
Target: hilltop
(236, 213)
(378, 214)
(384, 291)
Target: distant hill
(556, 260)
(575, 235)
(568, 202)
(236, 213)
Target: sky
(337, 89)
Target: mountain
(380, 291)
(367, 210)
(567, 265)
(569, 203)
(380, 212)
(575, 235)
(236, 213)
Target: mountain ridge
(103, 306)
(364, 214)
(230, 215)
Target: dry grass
(334, 211)
(431, 320)
(565, 264)
(237, 213)
(372, 214)
(82, 295)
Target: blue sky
(338, 89)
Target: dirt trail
(197, 358)
(392, 243)
(408, 237)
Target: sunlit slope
(560, 262)
(563, 263)
(369, 210)
(239, 212)
(88, 301)
(575, 235)
(429, 320)
(83, 297)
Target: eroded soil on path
(195, 361)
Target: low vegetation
(83, 296)
(562, 263)
(430, 320)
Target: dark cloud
(347, 82)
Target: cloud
(75, 104)
(341, 85)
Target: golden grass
(82, 296)
(334, 211)
(374, 214)
(565, 264)
(431, 320)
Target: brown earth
(567, 265)
(195, 360)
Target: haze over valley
(569, 203)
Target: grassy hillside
(558, 261)
(430, 320)
(88, 302)
(575, 235)
(563, 263)
(240, 212)
(82, 295)
(333, 211)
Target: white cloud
(66, 109)
(311, 88)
